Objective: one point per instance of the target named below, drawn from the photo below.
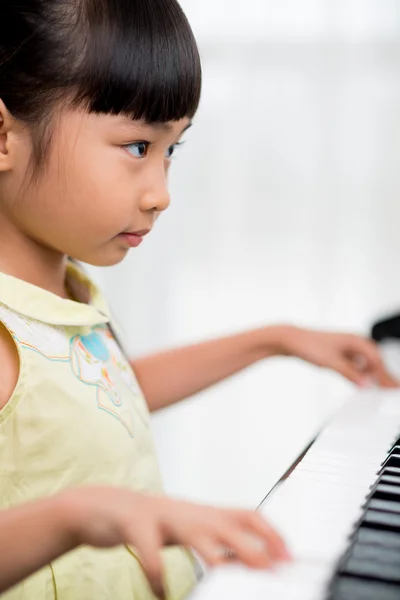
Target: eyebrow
(156, 126)
(168, 127)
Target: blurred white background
(286, 208)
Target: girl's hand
(106, 517)
(354, 357)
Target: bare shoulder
(9, 361)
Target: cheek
(98, 188)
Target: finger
(255, 523)
(354, 344)
(148, 543)
(374, 366)
(382, 377)
(350, 372)
(213, 553)
(260, 526)
(249, 549)
(386, 380)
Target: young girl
(95, 95)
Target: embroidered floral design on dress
(97, 360)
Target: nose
(155, 196)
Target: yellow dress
(77, 417)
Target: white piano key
(303, 581)
(317, 508)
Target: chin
(107, 258)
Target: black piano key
(392, 461)
(376, 490)
(386, 328)
(386, 539)
(369, 552)
(384, 505)
(394, 470)
(395, 449)
(386, 491)
(391, 479)
(371, 569)
(352, 588)
(386, 473)
(379, 520)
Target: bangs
(140, 58)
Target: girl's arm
(171, 376)
(32, 536)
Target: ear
(7, 126)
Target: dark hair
(135, 57)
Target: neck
(26, 259)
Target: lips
(134, 239)
(140, 233)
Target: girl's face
(104, 176)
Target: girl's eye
(172, 150)
(138, 149)
(141, 149)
